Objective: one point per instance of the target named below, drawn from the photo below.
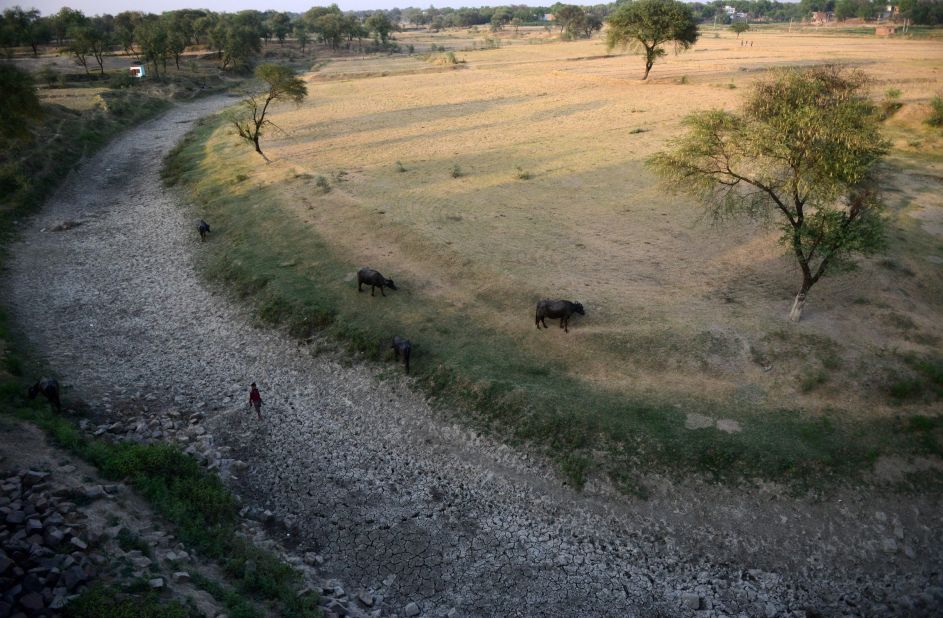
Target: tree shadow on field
(402, 118)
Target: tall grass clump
(936, 111)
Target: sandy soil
(397, 501)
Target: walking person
(255, 400)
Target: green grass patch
(294, 277)
(129, 541)
(235, 603)
(105, 602)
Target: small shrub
(399, 167)
(120, 80)
(323, 184)
(129, 541)
(936, 111)
(575, 468)
(637, 130)
(891, 103)
(731, 86)
(522, 174)
(240, 178)
(683, 80)
(906, 388)
(457, 171)
(49, 76)
(812, 380)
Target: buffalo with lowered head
(49, 387)
(554, 309)
(374, 280)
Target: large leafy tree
(26, 27)
(380, 26)
(803, 150)
(646, 26)
(19, 105)
(278, 83)
(154, 41)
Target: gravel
(413, 510)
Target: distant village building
(885, 30)
(820, 18)
(137, 70)
(734, 14)
(549, 17)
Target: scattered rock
(411, 610)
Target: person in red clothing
(255, 400)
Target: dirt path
(397, 502)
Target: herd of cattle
(553, 309)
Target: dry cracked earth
(423, 513)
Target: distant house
(820, 18)
(137, 70)
(885, 30)
(549, 17)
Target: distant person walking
(255, 400)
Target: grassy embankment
(294, 278)
(191, 499)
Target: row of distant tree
(920, 12)
(236, 37)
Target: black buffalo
(49, 387)
(554, 309)
(402, 347)
(204, 229)
(374, 280)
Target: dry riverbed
(423, 516)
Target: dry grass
(674, 306)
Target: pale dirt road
(397, 500)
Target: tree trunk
(795, 314)
(259, 150)
(649, 61)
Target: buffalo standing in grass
(204, 228)
(554, 309)
(402, 347)
(49, 387)
(374, 280)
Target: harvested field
(674, 305)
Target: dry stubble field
(678, 310)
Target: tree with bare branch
(279, 82)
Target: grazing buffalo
(554, 309)
(374, 280)
(402, 347)
(49, 387)
(204, 229)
